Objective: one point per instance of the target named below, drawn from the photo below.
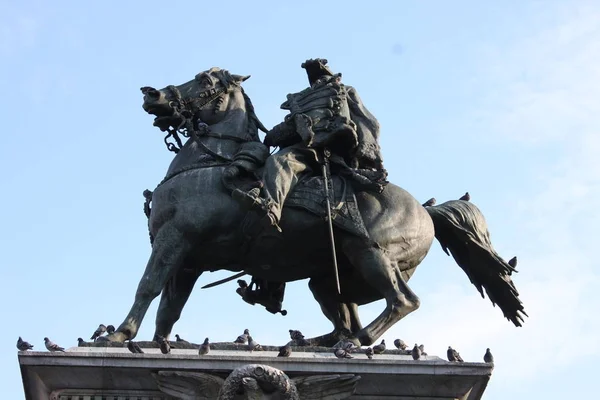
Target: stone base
(113, 373)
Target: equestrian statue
(320, 208)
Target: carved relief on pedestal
(255, 382)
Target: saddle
(309, 194)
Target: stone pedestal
(113, 373)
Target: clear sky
(500, 99)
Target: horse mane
(228, 80)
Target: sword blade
(217, 283)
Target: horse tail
(462, 231)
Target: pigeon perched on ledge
(380, 348)
(243, 338)
(80, 342)
(416, 352)
(204, 348)
(400, 345)
(51, 346)
(465, 197)
(342, 353)
(98, 332)
(488, 357)
(422, 348)
(180, 340)
(253, 345)
(369, 353)
(453, 355)
(23, 345)
(285, 351)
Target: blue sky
(500, 99)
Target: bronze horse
(196, 226)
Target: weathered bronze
(222, 197)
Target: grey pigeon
(134, 348)
(369, 353)
(285, 351)
(430, 202)
(110, 329)
(422, 348)
(342, 353)
(98, 332)
(416, 352)
(243, 339)
(400, 345)
(380, 348)
(453, 355)
(164, 345)
(513, 262)
(296, 335)
(23, 345)
(204, 348)
(51, 346)
(488, 357)
(179, 339)
(466, 197)
(253, 345)
(80, 342)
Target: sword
(238, 275)
(326, 155)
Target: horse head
(211, 97)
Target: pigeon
(80, 342)
(430, 202)
(110, 329)
(134, 348)
(99, 332)
(253, 345)
(164, 345)
(342, 353)
(204, 348)
(422, 348)
(400, 345)
(285, 351)
(453, 355)
(180, 340)
(466, 197)
(513, 262)
(416, 352)
(296, 335)
(488, 357)
(380, 348)
(23, 345)
(369, 353)
(243, 339)
(51, 346)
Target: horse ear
(239, 78)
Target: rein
(183, 108)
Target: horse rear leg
(174, 296)
(169, 250)
(385, 277)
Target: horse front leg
(169, 251)
(174, 296)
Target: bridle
(185, 109)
